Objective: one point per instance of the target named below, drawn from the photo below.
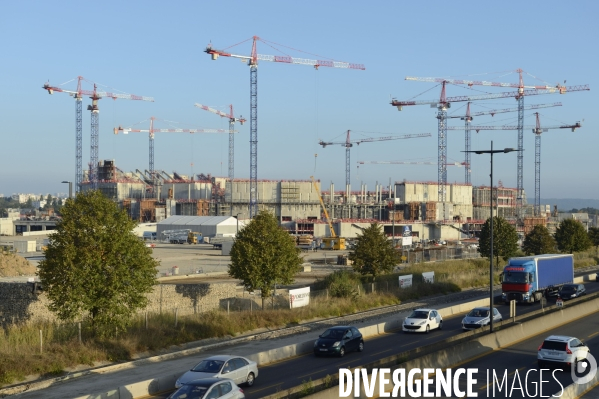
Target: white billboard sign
(406, 241)
(405, 281)
(428, 277)
(299, 297)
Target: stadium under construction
(152, 198)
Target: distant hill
(566, 204)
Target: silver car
(479, 317)
(236, 368)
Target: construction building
(404, 204)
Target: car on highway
(422, 320)
(570, 291)
(479, 317)
(236, 368)
(338, 341)
(560, 350)
(208, 388)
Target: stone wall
(18, 303)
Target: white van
(149, 235)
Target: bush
(342, 284)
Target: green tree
(505, 240)
(538, 241)
(594, 236)
(571, 237)
(95, 266)
(264, 255)
(374, 253)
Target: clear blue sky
(155, 48)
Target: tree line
(96, 268)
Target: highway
(295, 371)
(518, 359)
(273, 377)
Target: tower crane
(468, 118)
(445, 102)
(252, 61)
(349, 143)
(95, 95)
(537, 130)
(151, 133)
(232, 120)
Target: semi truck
(527, 279)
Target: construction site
(155, 197)
(427, 210)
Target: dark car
(338, 341)
(571, 291)
(208, 388)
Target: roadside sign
(559, 303)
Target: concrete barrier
(143, 388)
(575, 391)
(464, 351)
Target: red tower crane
(537, 130)
(445, 102)
(232, 120)
(468, 118)
(252, 61)
(151, 133)
(95, 95)
(349, 143)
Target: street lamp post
(70, 187)
(491, 151)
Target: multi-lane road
(301, 369)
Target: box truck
(527, 279)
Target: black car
(338, 341)
(571, 291)
(208, 388)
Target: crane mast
(348, 143)
(95, 95)
(252, 61)
(151, 132)
(522, 91)
(468, 119)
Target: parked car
(236, 368)
(479, 317)
(338, 341)
(561, 350)
(570, 291)
(422, 320)
(208, 388)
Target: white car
(236, 368)
(422, 320)
(561, 350)
(479, 317)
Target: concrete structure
(581, 217)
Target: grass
(20, 344)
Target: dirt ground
(13, 265)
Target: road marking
(388, 350)
(302, 376)
(510, 374)
(270, 386)
(595, 333)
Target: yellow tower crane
(332, 242)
